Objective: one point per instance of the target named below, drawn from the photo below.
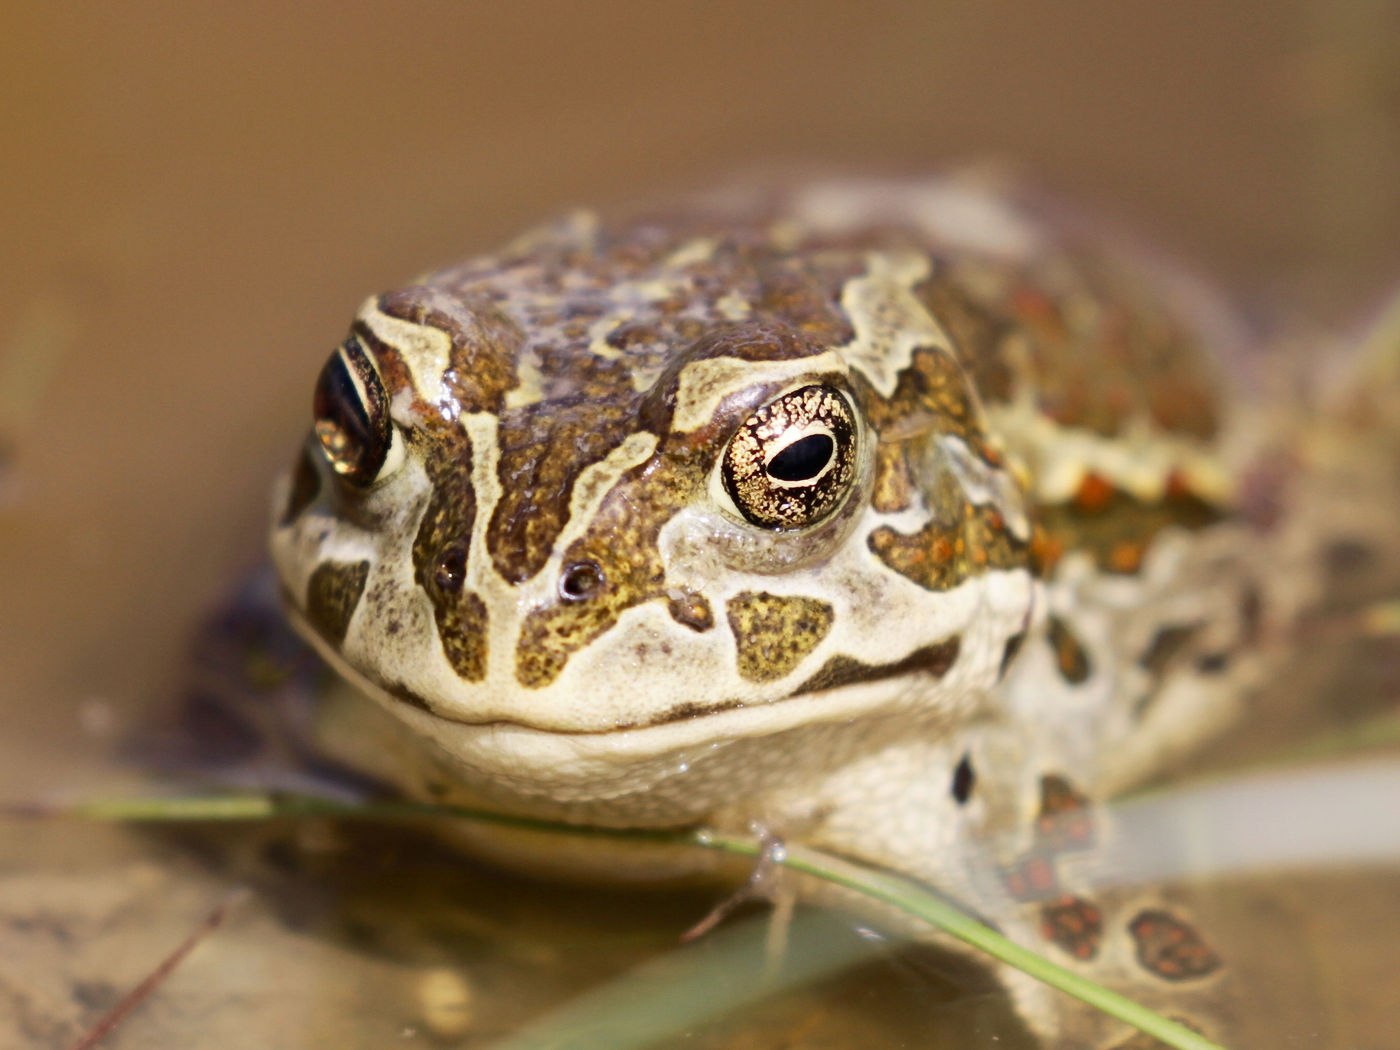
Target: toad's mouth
(843, 689)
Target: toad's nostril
(451, 570)
(580, 580)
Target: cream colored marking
(425, 350)
(889, 321)
(529, 386)
(596, 480)
(1140, 460)
(691, 252)
(733, 307)
(704, 384)
(578, 228)
(960, 216)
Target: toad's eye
(351, 410)
(792, 462)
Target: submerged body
(890, 516)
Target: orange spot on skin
(1177, 488)
(1094, 493)
(1046, 550)
(1125, 557)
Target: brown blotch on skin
(774, 633)
(462, 629)
(1070, 656)
(1032, 878)
(933, 660)
(1065, 822)
(685, 712)
(461, 616)
(690, 609)
(305, 487)
(632, 334)
(1166, 644)
(1170, 947)
(807, 300)
(1073, 924)
(332, 594)
(1009, 653)
(978, 334)
(404, 695)
(543, 450)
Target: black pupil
(804, 459)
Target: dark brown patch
(332, 594)
(933, 660)
(621, 541)
(977, 333)
(774, 633)
(1170, 947)
(1009, 653)
(1071, 658)
(1166, 645)
(1073, 924)
(805, 292)
(1031, 878)
(632, 334)
(689, 710)
(439, 562)
(964, 780)
(691, 610)
(403, 694)
(462, 629)
(543, 449)
(305, 487)
(1065, 821)
(1213, 663)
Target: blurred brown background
(197, 196)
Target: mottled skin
(549, 534)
